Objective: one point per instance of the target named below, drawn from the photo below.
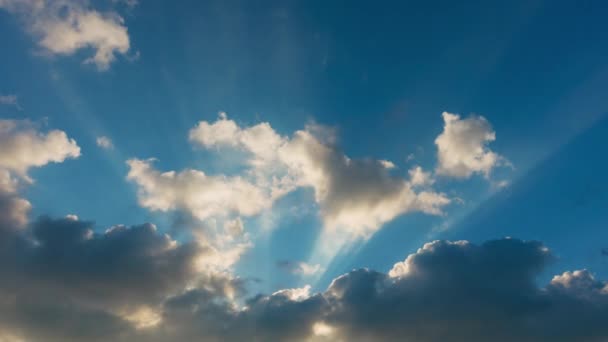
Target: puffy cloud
(68, 257)
(579, 282)
(454, 291)
(104, 142)
(204, 196)
(462, 147)
(355, 195)
(22, 147)
(460, 291)
(63, 281)
(418, 177)
(65, 26)
(261, 139)
(300, 267)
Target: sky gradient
(303, 171)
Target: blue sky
(336, 89)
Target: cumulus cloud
(66, 257)
(300, 267)
(64, 281)
(354, 195)
(63, 27)
(462, 147)
(204, 196)
(455, 291)
(22, 146)
(104, 142)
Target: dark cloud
(47, 319)
(447, 291)
(122, 266)
(62, 281)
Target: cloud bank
(63, 282)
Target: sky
(303, 170)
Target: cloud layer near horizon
(62, 282)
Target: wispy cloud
(10, 100)
(104, 142)
(300, 267)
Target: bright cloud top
(462, 147)
(22, 146)
(66, 26)
(354, 195)
(195, 192)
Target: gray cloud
(66, 283)
(62, 281)
(455, 291)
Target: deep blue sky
(380, 74)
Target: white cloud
(22, 147)
(203, 196)
(261, 139)
(418, 177)
(462, 147)
(296, 294)
(104, 142)
(355, 195)
(579, 282)
(387, 164)
(63, 27)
